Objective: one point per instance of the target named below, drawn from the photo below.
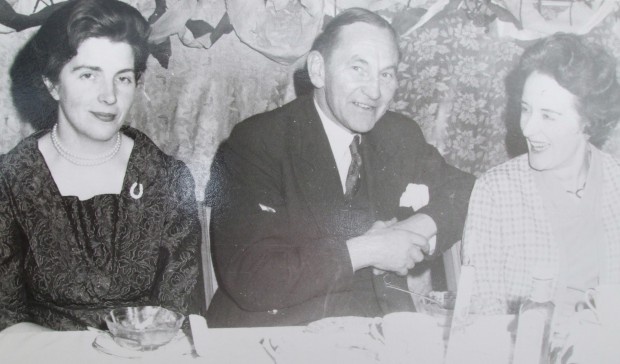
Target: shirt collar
(339, 137)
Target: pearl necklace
(84, 161)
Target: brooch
(132, 191)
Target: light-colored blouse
(509, 232)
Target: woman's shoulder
(147, 151)
(611, 169)
(509, 172)
(24, 154)
(611, 163)
(149, 160)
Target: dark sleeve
(449, 190)
(12, 288)
(180, 286)
(266, 255)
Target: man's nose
(372, 88)
(107, 92)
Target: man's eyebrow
(357, 58)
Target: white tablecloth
(488, 340)
(223, 346)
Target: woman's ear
(316, 69)
(51, 88)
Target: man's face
(358, 80)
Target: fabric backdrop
(451, 82)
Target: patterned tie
(353, 176)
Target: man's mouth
(364, 106)
(104, 116)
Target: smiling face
(95, 89)
(551, 124)
(356, 83)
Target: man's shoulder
(274, 125)
(271, 123)
(396, 122)
(397, 128)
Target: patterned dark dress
(64, 263)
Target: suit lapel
(381, 168)
(313, 164)
(315, 169)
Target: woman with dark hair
(558, 205)
(93, 215)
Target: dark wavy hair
(57, 42)
(327, 40)
(584, 69)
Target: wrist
(359, 252)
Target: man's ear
(51, 88)
(316, 69)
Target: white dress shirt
(339, 140)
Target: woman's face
(551, 124)
(95, 89)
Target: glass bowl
(441, 307)
(143, 328)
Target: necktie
(353, 176)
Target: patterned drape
(189, 108)
(451, 82)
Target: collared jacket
(279, 228)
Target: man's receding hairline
(338, 34)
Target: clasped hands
(392, 246)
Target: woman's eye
(126, 80)
(546, 116)
(388, 75)
(357, 68)
(87, 76)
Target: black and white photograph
(310, 181)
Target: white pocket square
(266, 208)
(415, 196)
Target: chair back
(210, 282)
(452, 264)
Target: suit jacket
(279, 229)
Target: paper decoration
(281, 30)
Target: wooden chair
(452, 260)
(210, 282)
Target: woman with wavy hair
(558, 205)
(93, 215)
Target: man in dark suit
(305, 197)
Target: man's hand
(420, 224)
(386, 248)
